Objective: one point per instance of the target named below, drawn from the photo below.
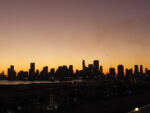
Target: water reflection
(6, 82)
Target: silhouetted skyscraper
(112, 72)
(52, 73)
(2, 76)
(32, 67)
(71, 70)
(120, 72)
(11, 73)
(44, 73)
(52, 70)
(22, 75)
(129, 73)
(32, 71)
(101, 69)
(83, 65)
(62, 72)
(11, 67)
(90, 66)
(141, 69)
(96, 67)
(89, 73)
(136, 69)
(45, 69)
(37, 72)
(146, 70)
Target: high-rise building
(32, 67)
(90, 66)
(101, 69)
(120, 71)
(141, 69)
(96, 65)
(146, 70)
(52, 73)
(70, 69)
(112, 71)
(22, 75)
(52, 70)
(129, 73)
(45, 69)
(89, 72)
(32, 75)
(83, 65)
(136, 69)
(11, 73)
(96, 68)
(37, 72)
(44, 73)
(12, 67)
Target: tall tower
(11, 73)
(120, 71)
(96, 65)
(101, 69)
(32, 71)
(32, 67)
(136, 69)
(83, 65)
(71, 69)
(141, 69)
(146, 70)
(96, 68)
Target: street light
(136, 109)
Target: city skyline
(74, 56)
(32, 67)
(62, 32)
(92, 71)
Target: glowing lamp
(136, 109)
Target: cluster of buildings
(91, 72)
(95, 71)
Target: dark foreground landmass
(73, 97)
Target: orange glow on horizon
(76, 66)
(64, 32)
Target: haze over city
(74, 56)
(54, 32)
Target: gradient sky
(57, 32)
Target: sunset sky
(63, 32)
